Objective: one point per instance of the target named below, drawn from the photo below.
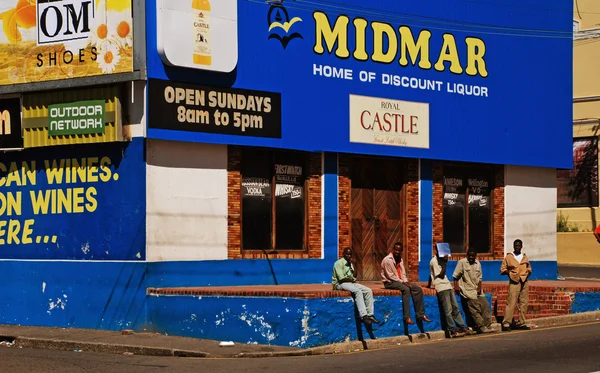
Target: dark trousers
(452, 314)
(417, 296)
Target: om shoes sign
(47, 40)
(389, 122)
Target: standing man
(454, 322)
(394, 277)
(343, 279)
(516, 265)
(467, 282)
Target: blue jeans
(363, 297)
(451, 311)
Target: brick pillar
(344, 203)
(412, 218)
(498, 201)
(315, 205)
(234, 203)
(438, 204)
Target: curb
(62, 345)
(566, 319)
(336, 348)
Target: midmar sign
(481, 71)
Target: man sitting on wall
(394, 277)
(468, 280)
(343, 279)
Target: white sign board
(384, 121)
(198, 34)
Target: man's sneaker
(506, 328)
(487, 329)
(367, 320)
(456, 334)
(468, 331)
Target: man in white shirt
(455, 325)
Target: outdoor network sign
(76, 118)
(476, 76)
(187, 107)
(59, 39)
(11, 136)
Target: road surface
(574, 348)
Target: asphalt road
(573, 348)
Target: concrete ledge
(62, 345)
(566, 319)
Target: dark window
(273, 200)
(467, 209)
(579, 187)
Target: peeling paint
(260, 325)
(138, 255)
(58, 304)
(305, 329)
(43, 287)
(86, 248)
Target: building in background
(578, 187)
(72, 171)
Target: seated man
(343, 279)
(394, 277)
(454, 322)
(467, 281)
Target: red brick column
(314, 205)
(498, 201)
(234, 203)
(344, 191)
(412, 218)
(438, 204)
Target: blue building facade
(277, 134)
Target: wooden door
(376, 212)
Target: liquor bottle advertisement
(198, 34)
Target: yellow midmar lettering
(401, 44)
(379, 55)
(408, 47)
(324, 33)
(360, 52)
(475, 61)
(449, 53)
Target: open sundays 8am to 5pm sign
(487, 72)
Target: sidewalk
(83, 340)
(120, 343)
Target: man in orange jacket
(516, 265)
